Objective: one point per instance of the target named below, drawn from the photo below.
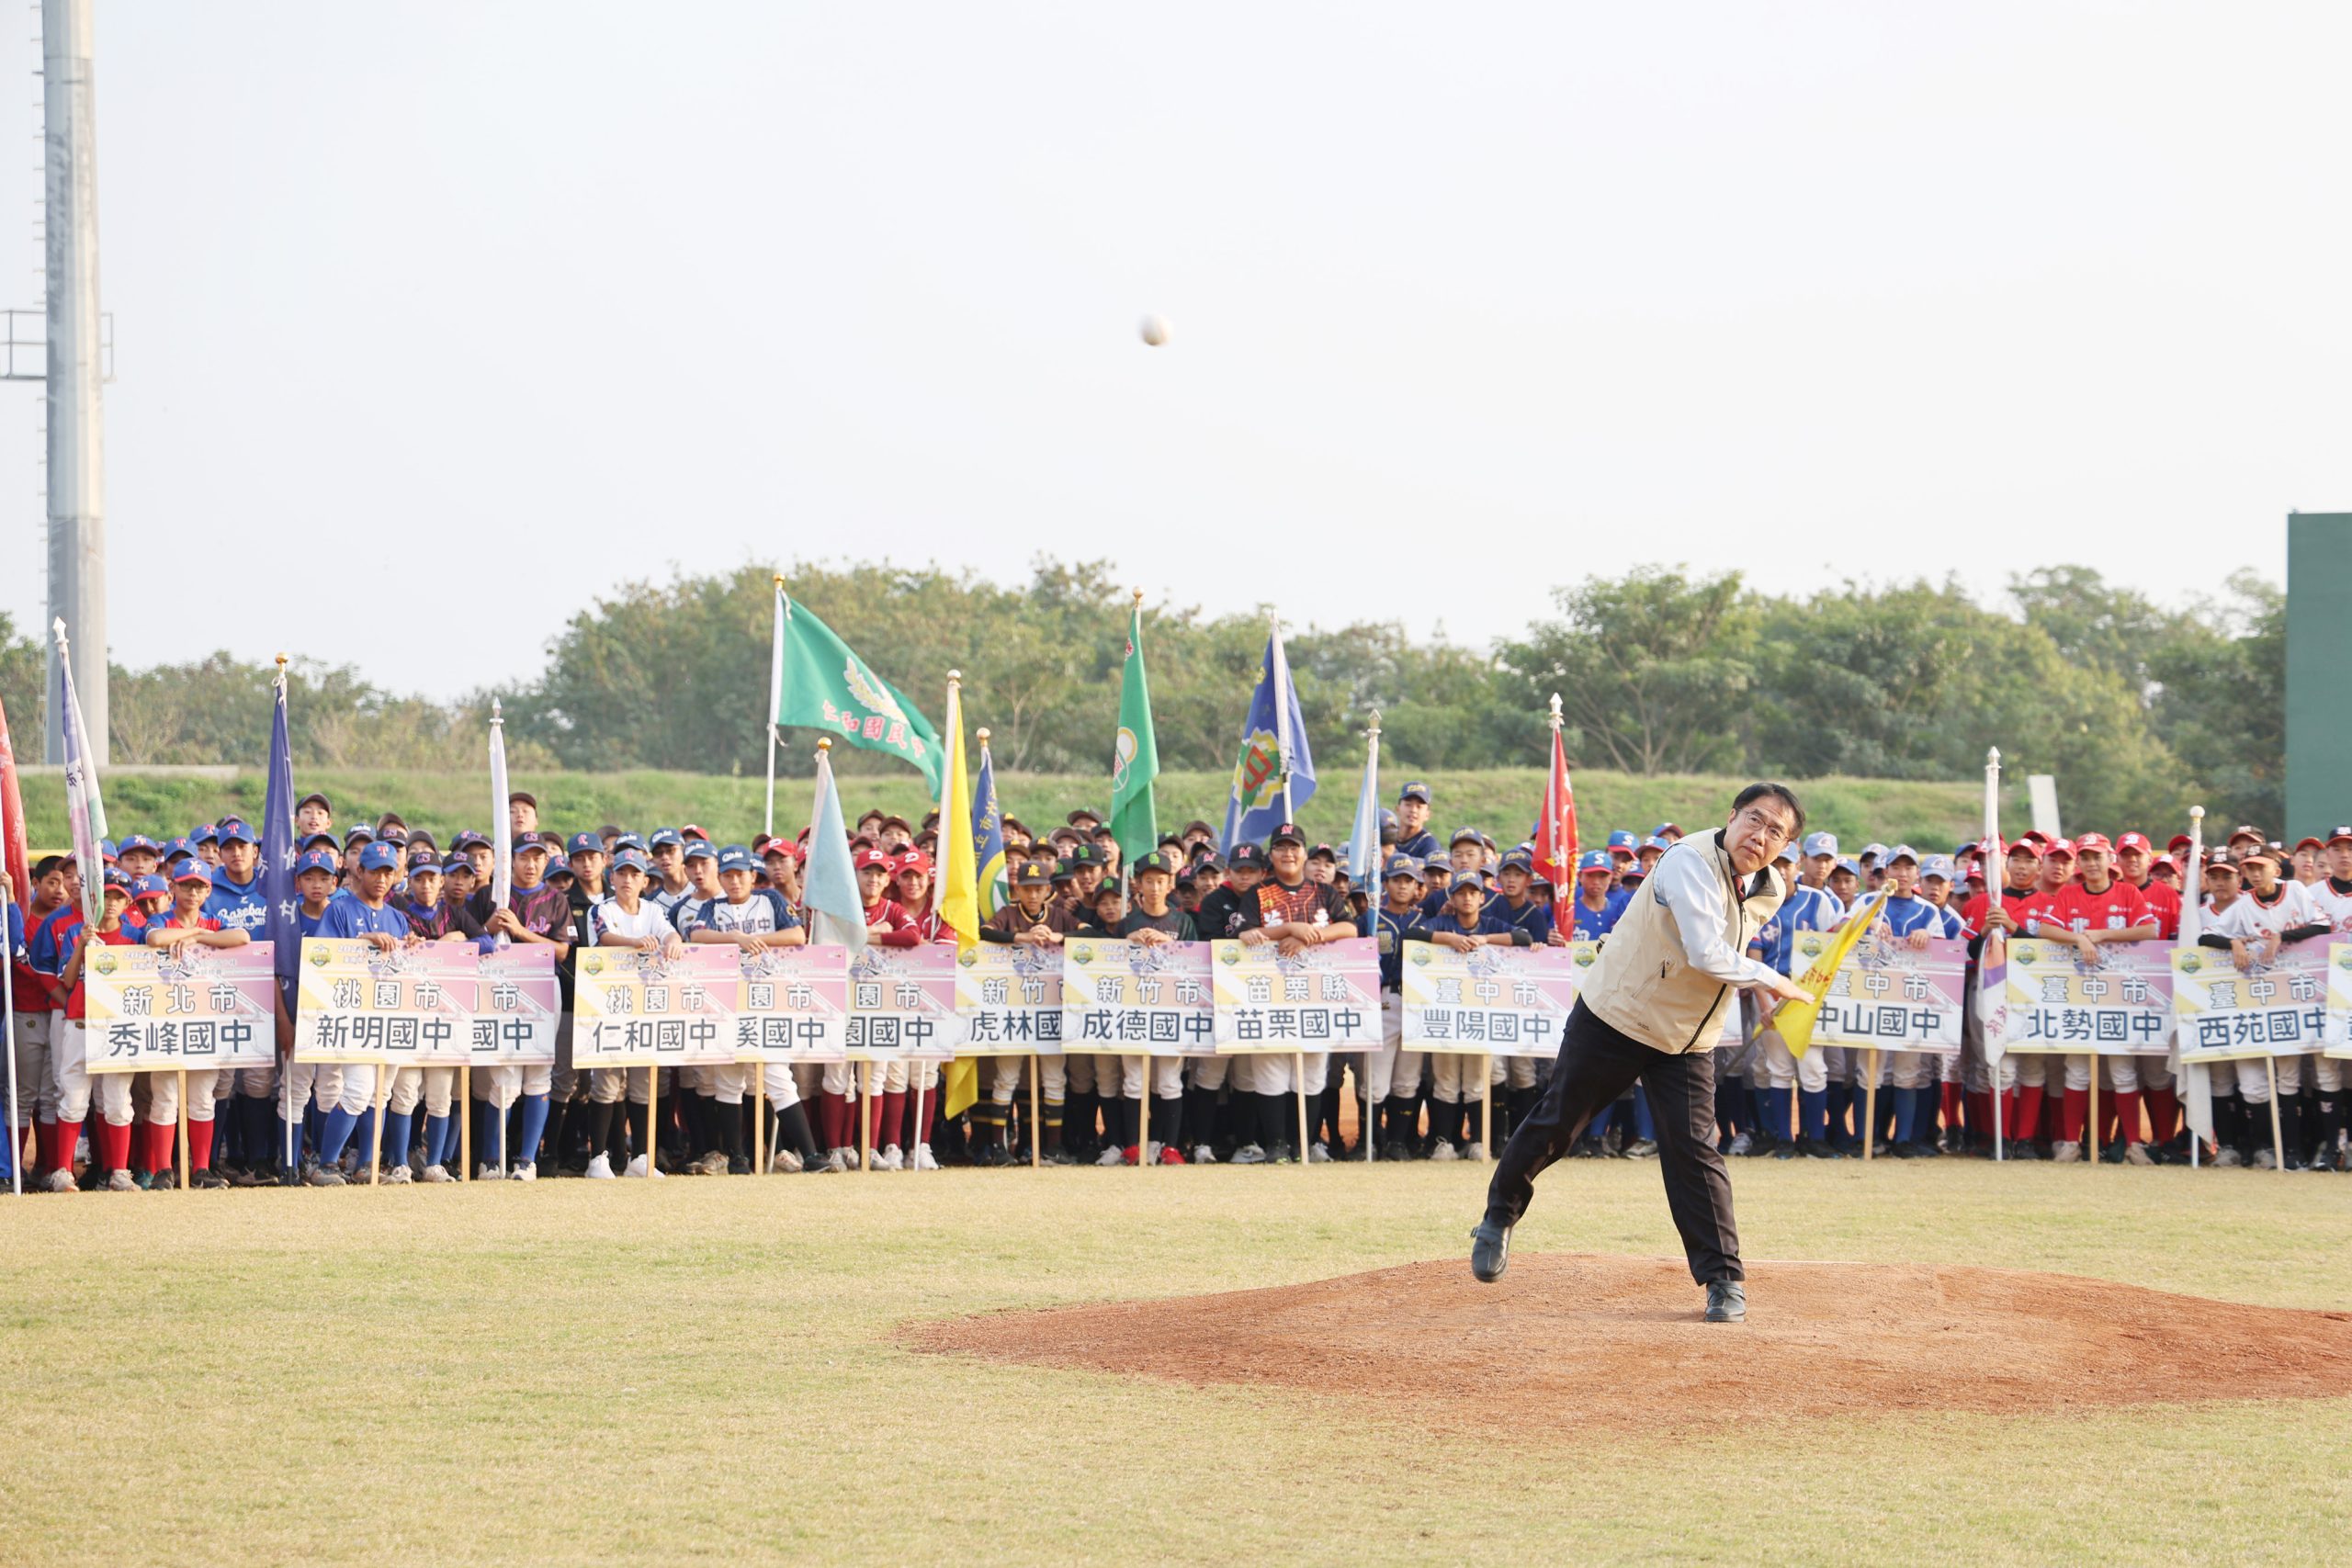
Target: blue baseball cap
(457, 863)
(1788, 853)
(1518, 859)
(1466, 879)
(665, 836)
(1821, 843)
(380, 857)
(1663, 829)
(1387, 818)
(630, 859)
(1870, 850)
(1470, 835)
(1401, 866)
(360, 835)
(115, 879)
(317, 838)
(1901, 851)
(584, 843)
(529, 845)
(1597, 860)
(314, 860)
(1937, 865)
(1414, 789)
(736, 857)
(467, 839)
(628, 842)
(179, 847)
(203, 833)
(107, 850)
(558, 865)
(234, 831)
(147, 887)
(426, 866)
(193, 871)
(138, 842)
(1655, 842)
(698, 849)
(1847, 865)
(1623, 838)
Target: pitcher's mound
(1618, 1341)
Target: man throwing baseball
(1650, 1011)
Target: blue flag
(277, 869)
(988, 839)
(836, 910)
(1273, 751)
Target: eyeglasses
(1774, 827)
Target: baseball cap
(866, 859)
(362, 835)
(147, 887)
(1249, 856)
(630, 859)
(2134, 840)
(456, 865)
(526, 796)
(1937, 865)
(1084, 854)
(183, 847)
(1470, 835)
(236, 832)
(1414, 789)
(1469, 879)
(1901, 851)
(1821, 843)
(1623, 838)
(914, 860)
(1873, 852)
(314, 860)
(115, 882)
(1597, 860)
(314, 796)
(137, 841)
(735, 857)
(2177, 842)
(203, 833)
(190, 870)
(584, 843)
(467, 839)
(1159, 859)
(628, 842)
(2058, 847)
(900, 823)
(426, 867)
(1401, 866)
(384, 857)
(1084, 814)
(2221, 860)
(700, 849)
(1788, 853)
(2336, 835)
(1034, 873)
(536, 846)
(1663, 829)
(783, 847)
(2246, 830)
(1518, 859)
(1655, 842)
(1287, 832)
(2305, 842)
(2258, 852)
(1848, 865)
(1634, 872)
(2026, 847)
(692, 831)
(1323, 852)
(392, 833)
(2091, 843)
(107, 850)
(665, 836)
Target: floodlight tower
(77, 511)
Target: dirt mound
(1618, 1342)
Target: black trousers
(1596, 1064)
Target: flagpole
(2192, 923)
(8, 1042)
(775, 698)
(1379, 886)
(1996, 881)
(939, 888)
(1282, 721)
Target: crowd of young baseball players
(392, 883)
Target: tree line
(2137, 708)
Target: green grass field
(1503, 802)
(677, 1372)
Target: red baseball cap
(2065, 846)
(2308, 842)
(2026, 847)
(2135, 840)
(913, 860)
(2093, 841)
(872, 857)
(2037, 835)
(2179, 842)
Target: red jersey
(1971, 914)
(902, 932)
(2165, 905)
(2074, 907)
(929, 926)
(115, 938)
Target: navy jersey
(1421, 846)
(1486, 924)
(1534, 917)
(1392, 932)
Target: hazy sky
(1469, 301)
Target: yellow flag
(1795, 1020)
(959, 890)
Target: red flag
(1555, 840)
(14, 857)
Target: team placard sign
(795, 1005)
(639, 1006)
(190, 1007)
(1888, 994)
(1499, 1001)
(519, 1009)
(902, 1002)
(2118, 1005)
(2339, 1000)
(1123, 996)
(1009, 996)
(357, 1003)
(1327, 998)
(2229, 1014)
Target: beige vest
(1642, 986)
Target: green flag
(815, 680)
(1134, 759)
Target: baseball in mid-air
(1155, 330)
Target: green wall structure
(2319, 666)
